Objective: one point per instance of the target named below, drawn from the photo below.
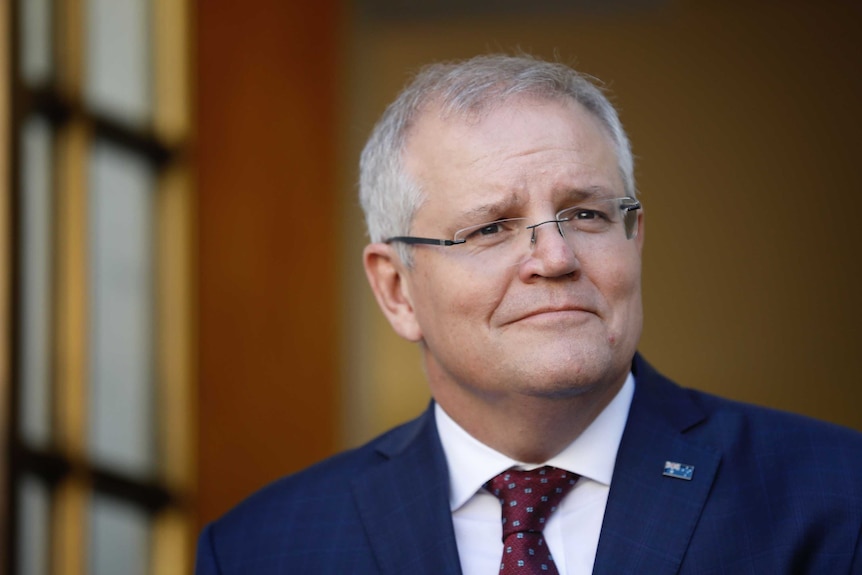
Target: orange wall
(266, 88)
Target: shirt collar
(592, 454)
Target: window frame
(64, 466)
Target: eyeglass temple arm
(429, 241)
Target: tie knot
(530, 497)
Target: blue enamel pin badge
(678, 470)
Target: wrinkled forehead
(450, 124)
(514, 155)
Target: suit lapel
(404, 503)
(650, 517)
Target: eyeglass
(592, 222)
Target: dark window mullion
(54, 467)
(48, 102)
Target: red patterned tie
(529, 498)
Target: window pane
(36, 44)
(34, 526)
(121, 429)
(36, 277)
(118, 81)
(119, 537)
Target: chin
(562, 389)
(570, 372)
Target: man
(506, 241)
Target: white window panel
(118, 78)
(36, 56)
(36, 256)
(121, 307)
(34, 526)
(119, 537)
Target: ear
(388, 279)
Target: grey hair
(389, 195)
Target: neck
(529, 429)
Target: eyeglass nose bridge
(534, 226)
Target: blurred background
(186, 316)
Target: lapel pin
(678, 470)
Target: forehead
(523, 149)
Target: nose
(550, 256)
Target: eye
(488, 229)
(587, 219)
(485, 231)
(586, 214)
(491, 233)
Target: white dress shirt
(572, 532)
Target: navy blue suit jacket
(770, 493)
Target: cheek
(624, 298)
(435, 293)
(620, 287)
(455, 298)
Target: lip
(555, 314)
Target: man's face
(563, 321)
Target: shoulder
(774, 432)
(757, 439)
(316, 498)
(810, 446)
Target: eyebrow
(588, 193)
(491, 210)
